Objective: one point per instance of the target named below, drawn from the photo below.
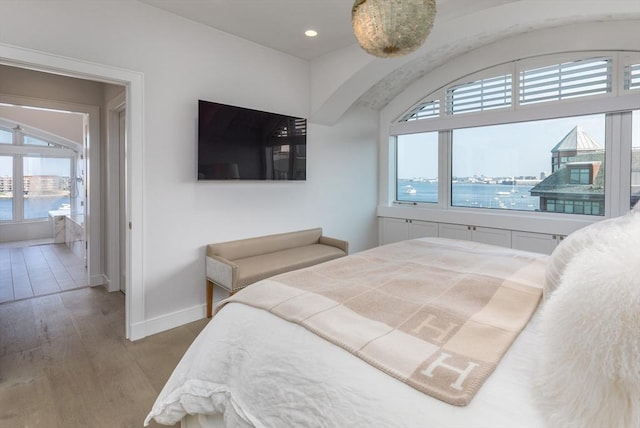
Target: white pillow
(589, 364)
(574, 244)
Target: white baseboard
(166, 322)
(99, 279)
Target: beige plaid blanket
(435, 313)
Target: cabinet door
(535, 242)
(491, 236)
(485, 235)
(454, 231)
(393, 230)
(423, 229)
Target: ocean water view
(35, 207)
(476, 195)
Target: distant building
(43, 184)
(575, 142)
(576, 185)
(576, 188)
(6, 184)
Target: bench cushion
(255, 268)
(242, 248)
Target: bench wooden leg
(209, 299)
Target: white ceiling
(278, 24)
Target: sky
(518, 149)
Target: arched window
(542, 134)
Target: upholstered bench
(233, 265)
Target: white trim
(168, 321)
(98, 280)
(622, 157)
(134, 81)
(114, 176)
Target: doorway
(133, 160)
(42, 195)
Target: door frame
(115, 176)
(134, 84)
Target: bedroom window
(632, 77)
(566, 80)
(509, 166)
(527, 135)
(424, 110)
(417, 167)
(485, 94)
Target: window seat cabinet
(398, 229)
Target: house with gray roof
(576, 185)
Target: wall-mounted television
(237, 143)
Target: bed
(307, 348)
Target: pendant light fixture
(390, 28)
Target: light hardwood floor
(64, 362)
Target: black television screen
(236, 143)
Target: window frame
(616, 104)
(58, 147)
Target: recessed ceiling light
(311, 33)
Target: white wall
(338, 195)
(182, 62)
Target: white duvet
(256, 369)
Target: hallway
(37, 270)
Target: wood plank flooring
(37, 270)
(64, 362)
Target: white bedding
(236, 368)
